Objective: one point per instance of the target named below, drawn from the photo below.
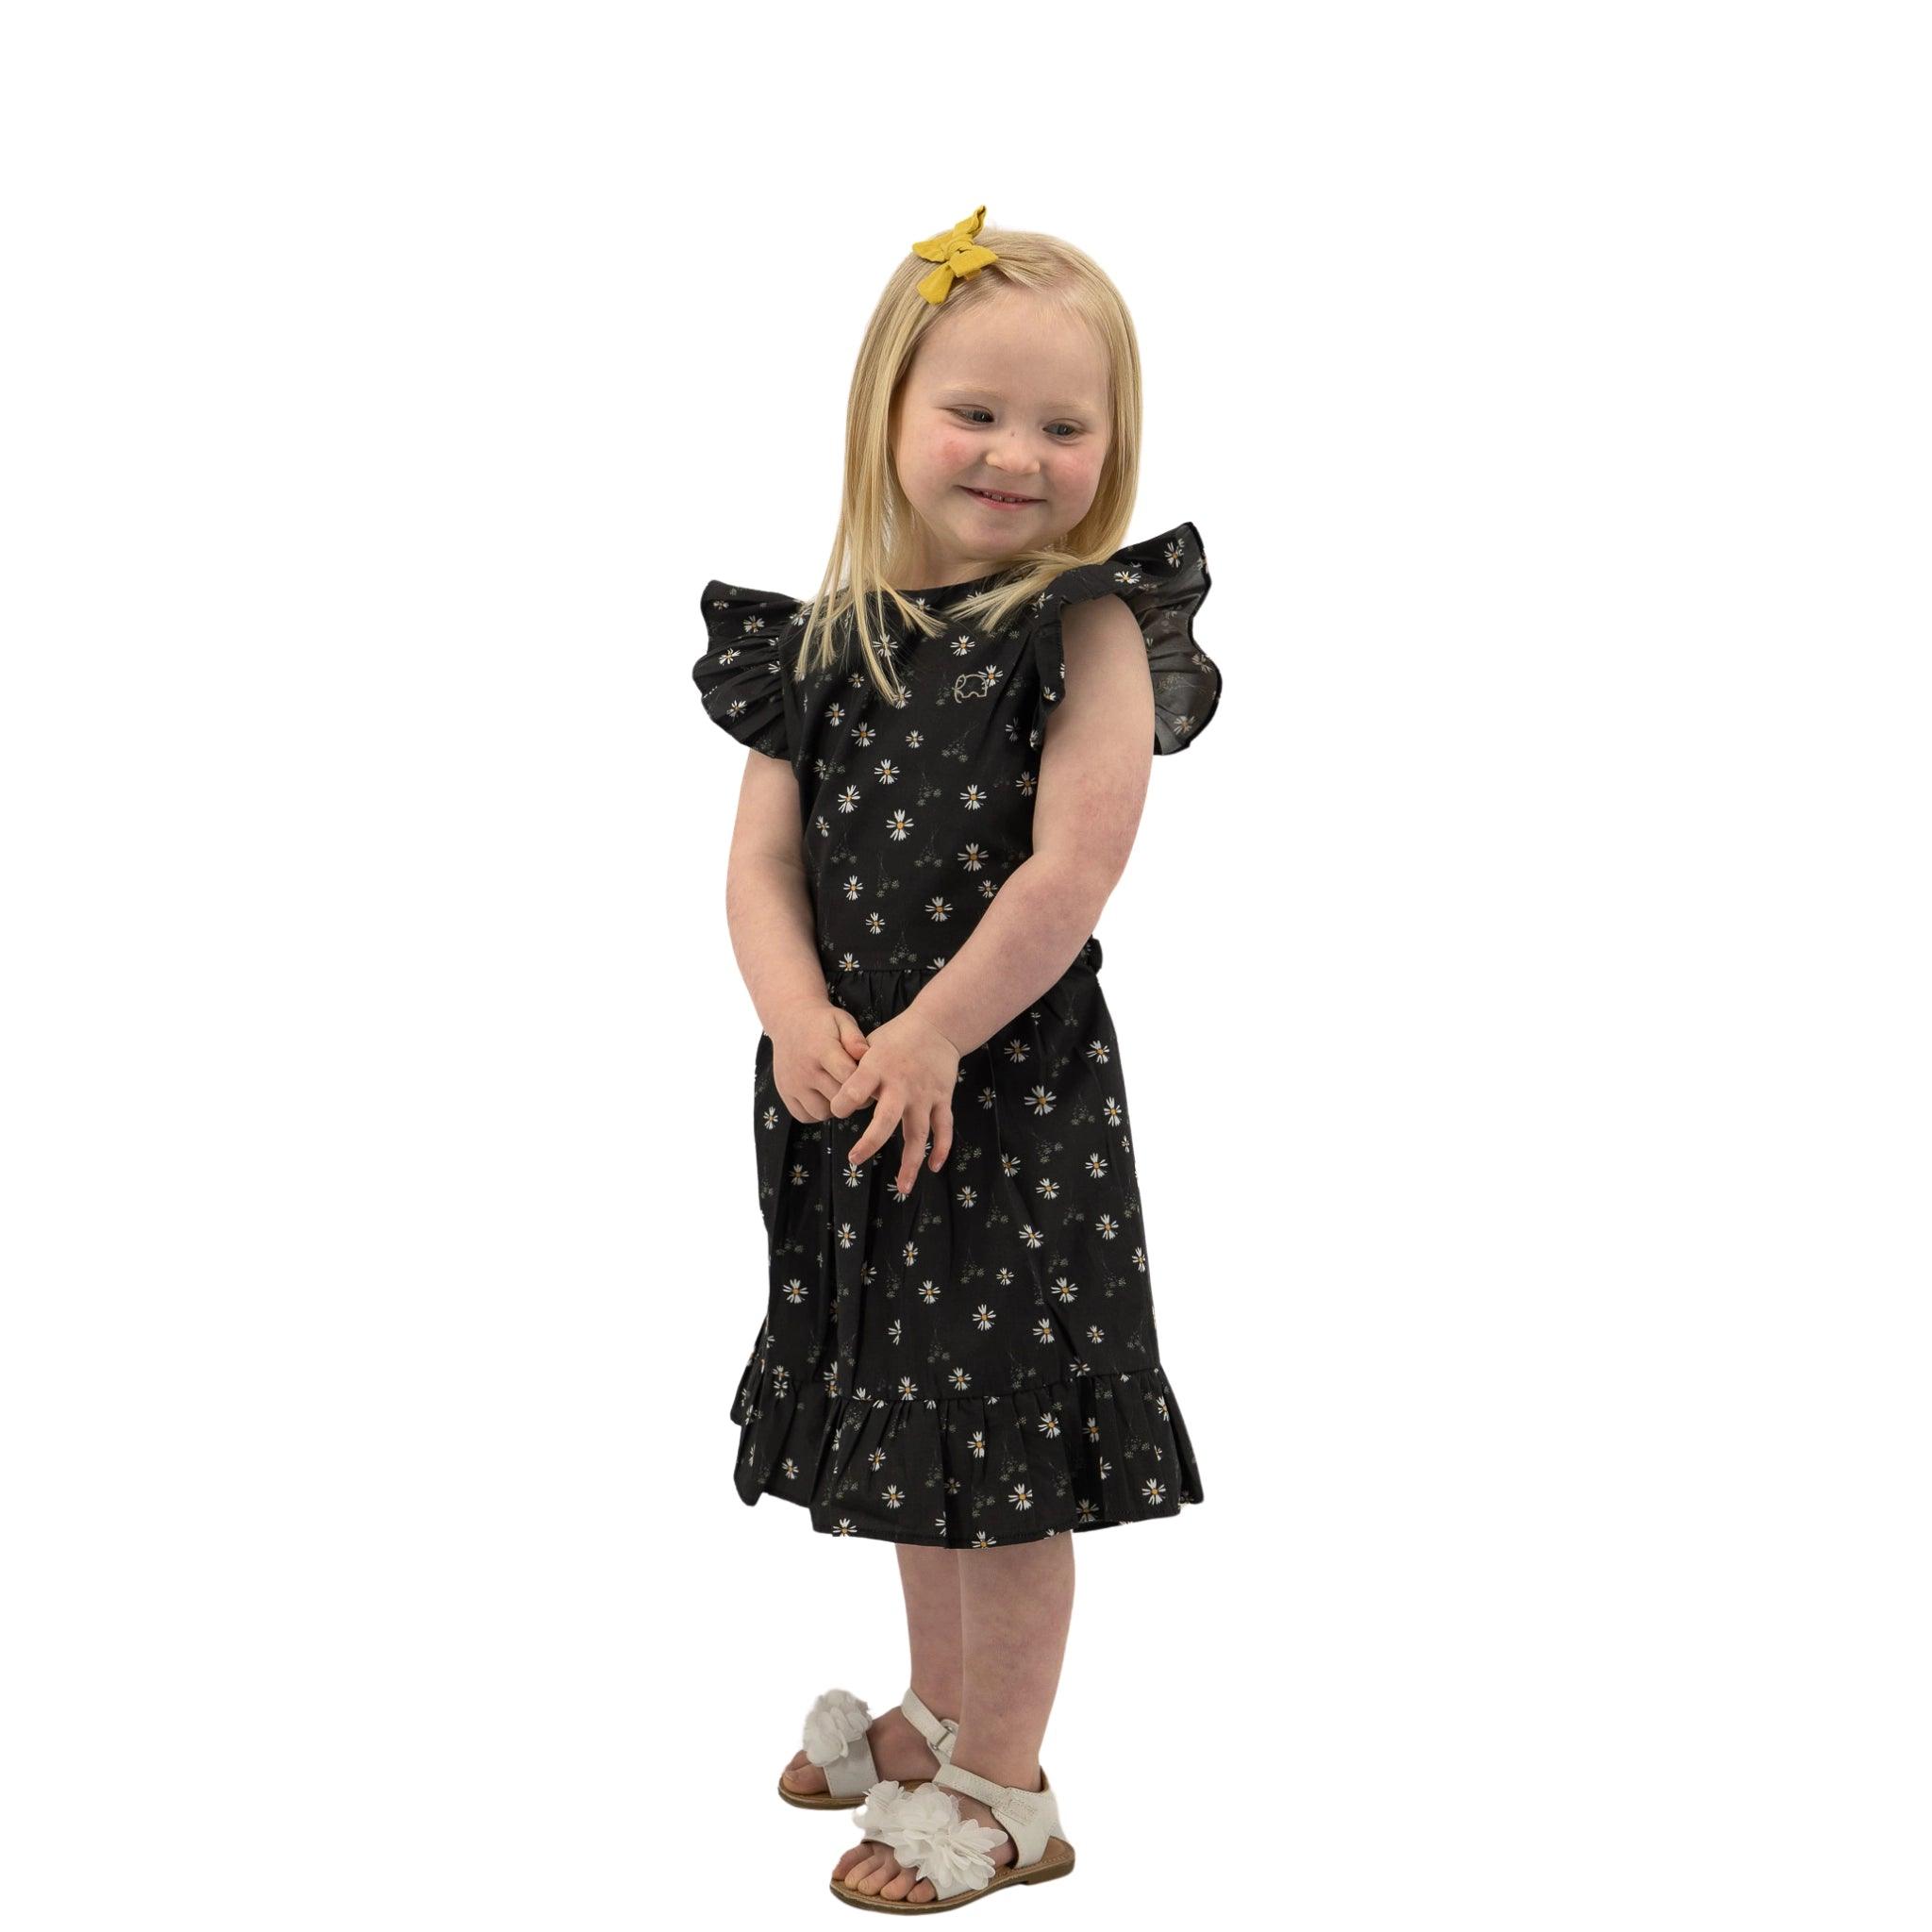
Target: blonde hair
(874, 513)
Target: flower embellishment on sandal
(925, 1829)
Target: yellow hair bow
(958, 254)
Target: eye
(1073, 429)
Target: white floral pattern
(868, 1380)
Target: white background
(1522, 984)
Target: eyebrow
(959, 392)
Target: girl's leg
(1017, 1604)
(935, 1627)
(930, 1581)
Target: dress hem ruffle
(1093, 1451)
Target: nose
(1012, 462)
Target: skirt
(975, 1362)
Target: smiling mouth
(997, 497)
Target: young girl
(949, 755)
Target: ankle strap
(1030, 1817)
(938, 1732)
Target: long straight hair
(874, 514)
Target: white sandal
(835, 1740)
(926, 1833)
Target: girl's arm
(1093, 773)
(816, 1047)
(767, 899)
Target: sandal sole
(825, 1801)
(1057, 1864)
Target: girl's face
(1008, 397)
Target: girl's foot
(897, 1749)
(874, 1870)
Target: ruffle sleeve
(1163, 581)
(741, 678)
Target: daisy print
(883, 1307)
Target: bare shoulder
(1099, 620)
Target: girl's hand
(816, 1047)
(909, 1071)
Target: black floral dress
(975, 1362)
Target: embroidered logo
(974, 684)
